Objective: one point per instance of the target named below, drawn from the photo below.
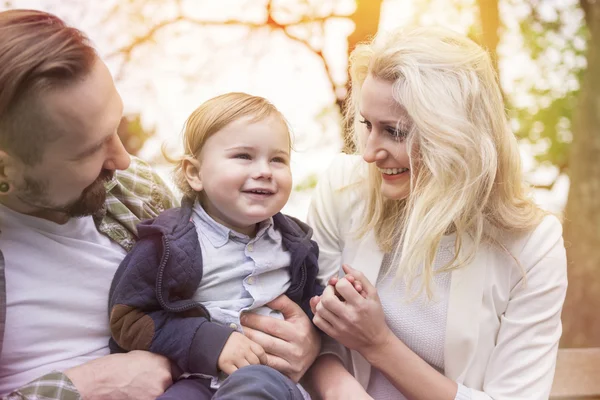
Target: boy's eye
(243, 156)
(279, 160)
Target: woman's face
(386, 125)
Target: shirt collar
(218, 234)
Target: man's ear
(191, 170)
(9, 171)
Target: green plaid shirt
(133, 196)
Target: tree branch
(270, 22)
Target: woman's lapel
(367, 259)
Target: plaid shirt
(132, 196)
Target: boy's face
(245, 172)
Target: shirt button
(233, 326)
(250, 247)
(251, 280)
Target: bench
(577, 374)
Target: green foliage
(548, 123)
(308, 183)
(133, 134)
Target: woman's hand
(354, 319)
(329, 380)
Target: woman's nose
(373, 151)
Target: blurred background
(168, 56)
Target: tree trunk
(581, 314)
(366, 22)
(489, 17)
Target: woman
(463, 277)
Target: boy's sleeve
(313, 287)
(139, 322)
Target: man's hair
(38, 53)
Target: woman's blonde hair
(212, 116)
(468, 178)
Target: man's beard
(89, 202)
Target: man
(70, 200)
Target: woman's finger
(328, 316)
(331, 301)
(324, 326)
(313, 303)
(366, 284)
(355, 282)
(348, 292)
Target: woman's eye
(243, 156)
(397, 134)
(366, 123)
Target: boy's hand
(350, 278)
(239, 351)
(332, 282)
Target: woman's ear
(191, 169)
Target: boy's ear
(191, 169)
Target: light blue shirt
(239, 273)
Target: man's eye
(366, 123)
(243, 156)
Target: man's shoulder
(142, 183)
(136, 194)
(139, 172)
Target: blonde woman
(463, 276)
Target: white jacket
(502, 331)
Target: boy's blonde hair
(212, 116)
(469, 178)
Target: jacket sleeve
(524, 359)
(139, 322)
(313, 287)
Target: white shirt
(57, 283)
(420, 323)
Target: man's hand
(239, 351)
(291, 344)
(137, 375)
